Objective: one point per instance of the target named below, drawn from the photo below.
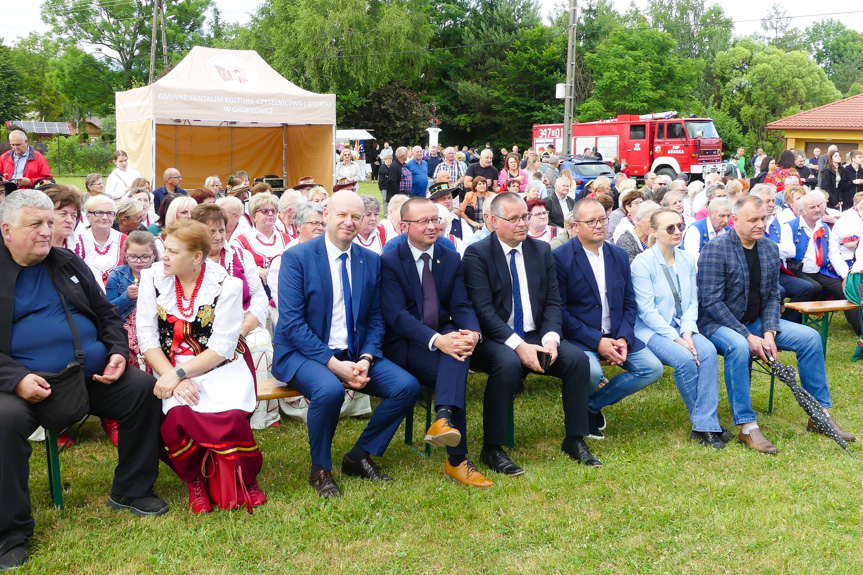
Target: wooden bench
(275, 389)
(818, 313)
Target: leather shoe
(199, 501)
(325, 484)
(144, 506)
(14, 558)
(442, 434)
(578, 451)
(365, 468)
(467, 474)
(499, 462)
(756, 441)
(256, 495)
(708, 438)
(810, 426)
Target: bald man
(172, 179)
(329, 339)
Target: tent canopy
(219, 111)
(349, 135)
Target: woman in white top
(849, 229)
(263, 241)
(538, 227)
(190, 315)
(121, 179)
(349, 169)
(103, 245)
(371, 235)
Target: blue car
(585, 170)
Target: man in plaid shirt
(456, 173)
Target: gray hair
(394, 206)
(498, 202)
(679, 186)
(694, 188)
(719, 204)
(304, 212)
(10, 209)
(371, 203)
(401, 152)
(20, 134)
(260, 200)
(128, 206)
(94, 201)
(669, 197)
(212, 180)
(489, 152)
(291, 199)
(231, 205)
(711, 190)
(816, 193)
(646, 209)
(758, 190)
(552, 159)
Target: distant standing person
(349, 169)
(482, 168)
(121, 179)
(419, 173)
(23, 164)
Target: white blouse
(102, 258)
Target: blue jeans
(804, 341)
(642, 369)
(698, 385)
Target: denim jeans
(642, 369)
(698, 385)
(804, 341)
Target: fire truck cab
(662, 143)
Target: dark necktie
(349, 306)
(517, 311)
(430, 303)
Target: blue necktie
(349, 306)
(517, 311)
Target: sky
(18, 18)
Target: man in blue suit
(599, 311)
(512, 284)
(329, 338)
(431, 328)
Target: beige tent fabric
(219, 111)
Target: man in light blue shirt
(420, 171)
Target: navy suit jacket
(582, 306)
(402, 290)
(306, 306)
(489, 286)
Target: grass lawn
(661, 504)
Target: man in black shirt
(483, 168)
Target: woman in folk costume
(372, 235)
(103, 245)
(239, 264)
(190, 316)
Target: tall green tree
(637, 72)
(33, 57)
(839, 51)
(87, 83)
(119, 31)
(12, 104)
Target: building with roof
(839, 123)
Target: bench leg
(55, 484)
(425, 400)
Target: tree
(775, 23)
(32, 57)
(395, 112)
(839, 51)
(637, 72)
(87, 83)
(12, 106)
(119, 30)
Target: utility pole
(165, 59)
(156, 12)
(569, 100)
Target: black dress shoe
(596, 423)
(499, 462)
(14, 558)
(726, 435)
(577, 450)
(708, 438)
(146, 506)
(325, 484)
(365, 468)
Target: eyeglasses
(98, 184)
(516, 219)
(100, 214)
(679, 226)
(317, 224)
(593, 223)
(425, 221)
(175, 178)
(268, 211)
(143, 259)
(539, 215)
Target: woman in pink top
(511, 171)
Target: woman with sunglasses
(663, 278)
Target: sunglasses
(670, 229)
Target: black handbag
(794, 267)
(69, 402)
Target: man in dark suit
(329, 338)
(394, 174)
(738, 311)
(512, 283)
(559, 203)
(431, 328)
(599, 311)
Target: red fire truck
(663, 143)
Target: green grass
(660, 504)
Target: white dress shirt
(339, 324)
(692, 239)
(564, 207)
(810, 266)
(597, 264)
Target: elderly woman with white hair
(235, 210)
(635, 239)
(289, 201)
(394, 206)
(214, 184)
(372, 235)
(103, 245)
(348, 168)
(263, 241)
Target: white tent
(219, 111)
(350, 135)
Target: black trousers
(797, 289)
(505, 371)
(833, 286)
(129, 400)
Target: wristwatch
(369, 358)
(181, 373)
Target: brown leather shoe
(467, 474)
(756, 441)
(810, 426)
(442, 434)
(325, 484)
